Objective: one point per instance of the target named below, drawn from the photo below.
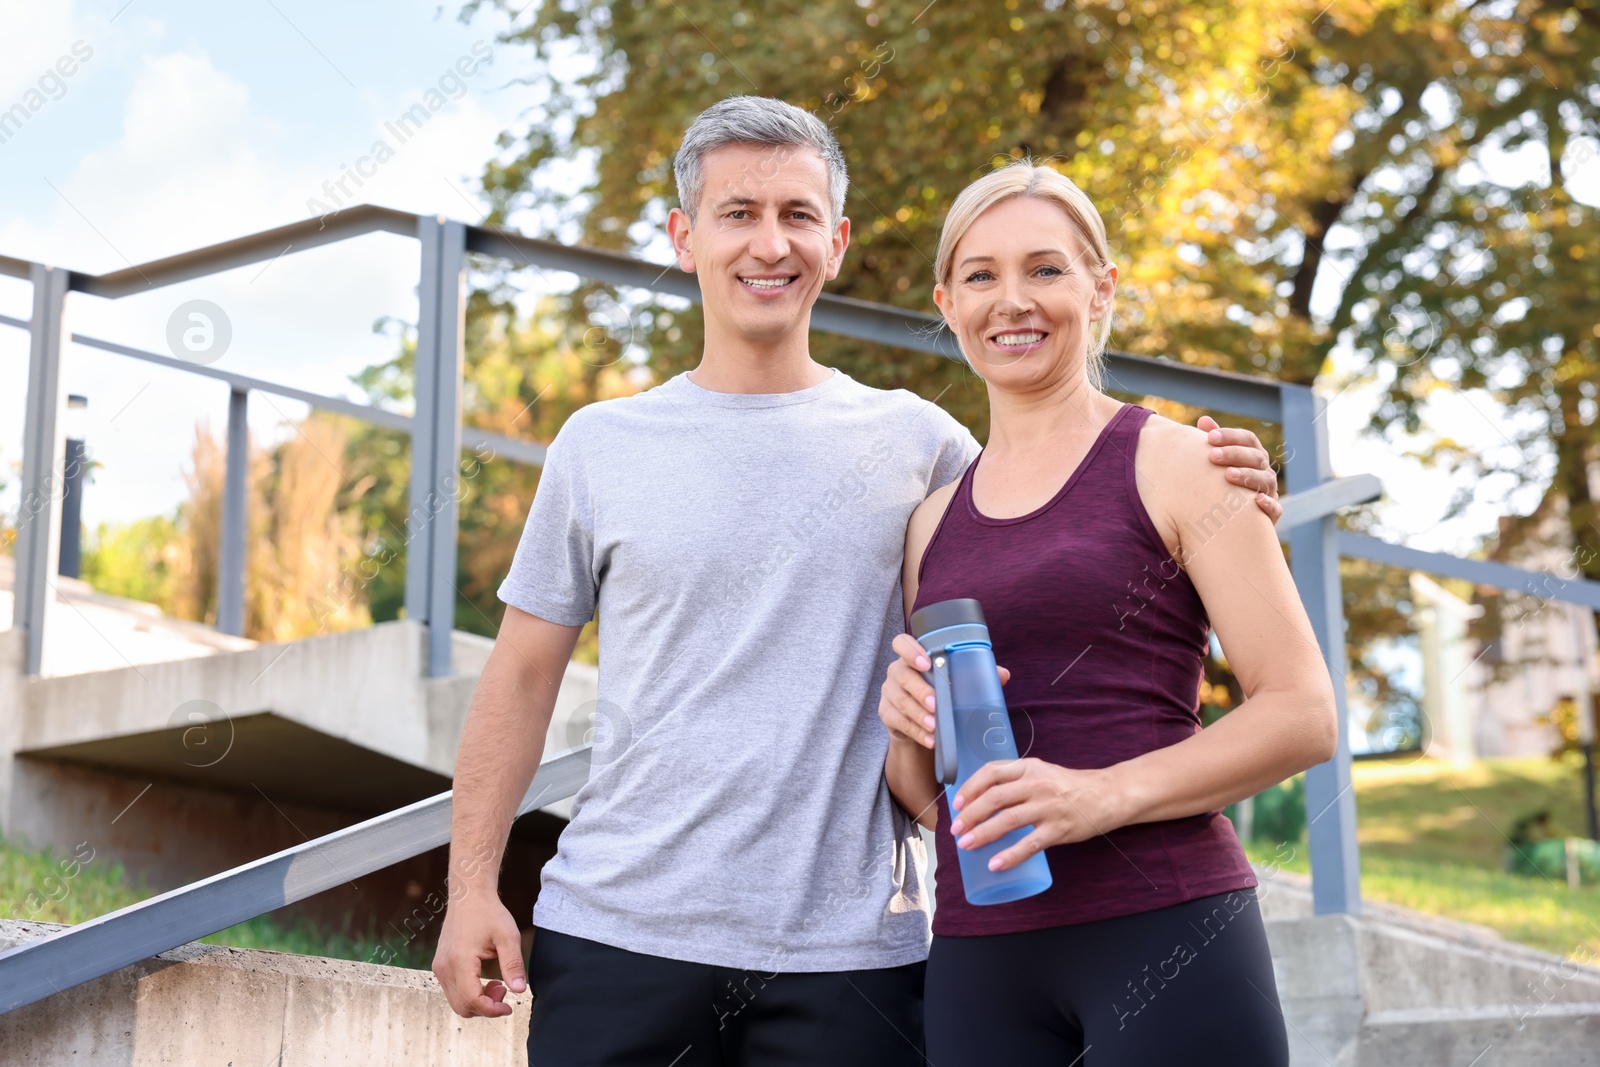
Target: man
(736, 885)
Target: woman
(1103, 547)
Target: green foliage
(524, 374)
(1175, 121)
(41, 886)
(1565, 717)
(134, 560)
(1531, 849)
(1280, 812)
(344, 942)
(1545, 915)
(1548, 859)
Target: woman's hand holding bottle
(906, 704)
(1063, 805)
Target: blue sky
(192, 123)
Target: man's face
(762, 243)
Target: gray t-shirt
(744, 553)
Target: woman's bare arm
(1227, 547)
(903, 705)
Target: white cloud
(195, 161)
(36, 35)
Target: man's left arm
(1248, 463)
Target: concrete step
(1548, 1035)
(1397, 987)
(209, 1004)
(1413, 961)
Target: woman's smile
(1017, 341)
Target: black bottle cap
(965, 611)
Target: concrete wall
(205, 1004)
(365, 687)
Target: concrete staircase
(1397, 987)
(180, 768)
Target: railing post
(38, 518)
(235, 494)
(1314, 561)
(436, 435)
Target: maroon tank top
(1103, 634)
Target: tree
(1182, 142)
(299, 539)
(525, 373)
(1280, 179)
(1457, 278)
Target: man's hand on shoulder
(1247, 462)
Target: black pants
(1190, 984)
(595, 1004)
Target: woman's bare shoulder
(1170, 440)
(1175, 474)
(1175, 455)
(919, 532)
(928, 513)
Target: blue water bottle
(973, 728)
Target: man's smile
(767, 283)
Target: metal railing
(90, 950)
(100, 946)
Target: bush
(1548, 859)
(1279, 814)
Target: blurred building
(1529, 652)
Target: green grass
(1433, 838)
(73, 887)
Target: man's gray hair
(755, 120)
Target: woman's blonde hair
(1026, 178)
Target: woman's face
(1022, 296)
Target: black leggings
(1189, 984)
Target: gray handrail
(1215, 390)
(529, 452)
(1542, 584)
(1326, 499)
(92, 949)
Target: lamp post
(1583, 621)
(72, 486)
